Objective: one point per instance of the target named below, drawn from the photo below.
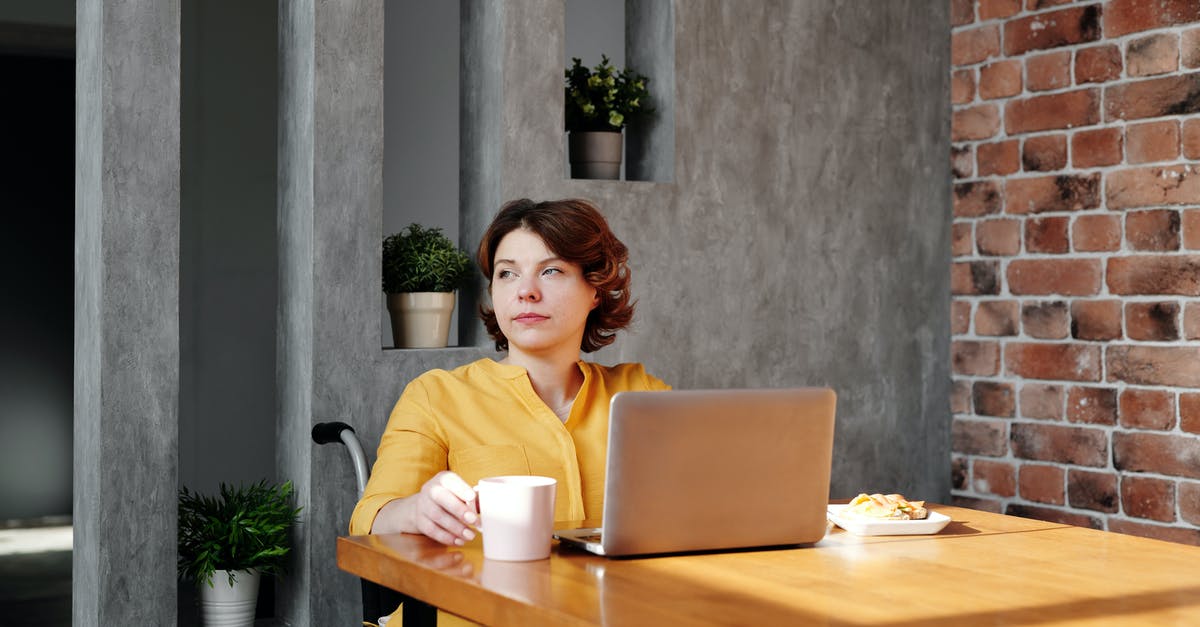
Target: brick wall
(1076, 262)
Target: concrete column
(330, 216)
(650, 50)
(126, 312)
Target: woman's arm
(444, 509)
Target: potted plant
(227, 543)
(599, 102)
(421, 270)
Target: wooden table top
(982, 568)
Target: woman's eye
(549, 271)
(504, 274)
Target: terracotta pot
(420, 319)
(595, 154)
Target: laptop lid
(693, 470)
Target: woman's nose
(528, 292)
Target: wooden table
(981, 569)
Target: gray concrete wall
(126, 312)
(801, 238)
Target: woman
(559, 284)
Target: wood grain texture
(982, 568)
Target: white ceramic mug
(516, 517)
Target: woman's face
(541, 301)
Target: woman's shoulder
(473, 373)
(625, 376)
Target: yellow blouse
(484, 419)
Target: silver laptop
(700, 470)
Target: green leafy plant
(418, 259)
(602, 99)
(246, 527)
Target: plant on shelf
(226, 543)
(599, 102)
(421, 270)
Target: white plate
(862, 527)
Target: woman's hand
(444, 509)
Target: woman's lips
(529, 318)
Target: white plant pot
(420, 319)
(230, 606)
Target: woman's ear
(595, 298)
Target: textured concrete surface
(126, 312)
(797, 235)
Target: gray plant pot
(595, 154)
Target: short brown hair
(574, 230)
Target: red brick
(1095, 148)
(998, 157)
(1044, 153)
(1189, 502)
(1098, 64)
(1042, 484)
(1045, 320)
(1096, 233)
(962, 239)
(962, 86)
(1154, 274)
(1041, 401)
(975, 199)
(960, 317)
(979, 437)
(958, 473)
(1047, 235)
(968, 47)
(972, 123)
(1164, 454)
(1178, 535)
(998, 237)
(1091, 405)
(1144, 187)
(1092, 490)
(1152, 322)
(1050, 112)
(1154, 365)
(1065, 192)
(962, 12)
(996, 317)
(984, 505)
(1156, 230)
(1122, 17)
(1189, 49)
(974, 278)
(962, 162)
(1148, 497)
(1059, 362)
(1152, 141)
(992, 477)
(1066, 277)
(1050, 30)
(992, 9)
(1189, 412)
(1048, 71)
(1034, 5)
(1000, 80)
(1191, 321)
(1191, 229)
(1082, 446)
(1053, 515)
(1152, 98)
(975, 358)
(1096, 320)
(1156, 54)
(993, 399)
(1147, 409)
(1191, 138)
(960, 397)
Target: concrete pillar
(126, 312)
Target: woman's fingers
(442, 514)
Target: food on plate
(884, 507)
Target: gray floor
(35, 589)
